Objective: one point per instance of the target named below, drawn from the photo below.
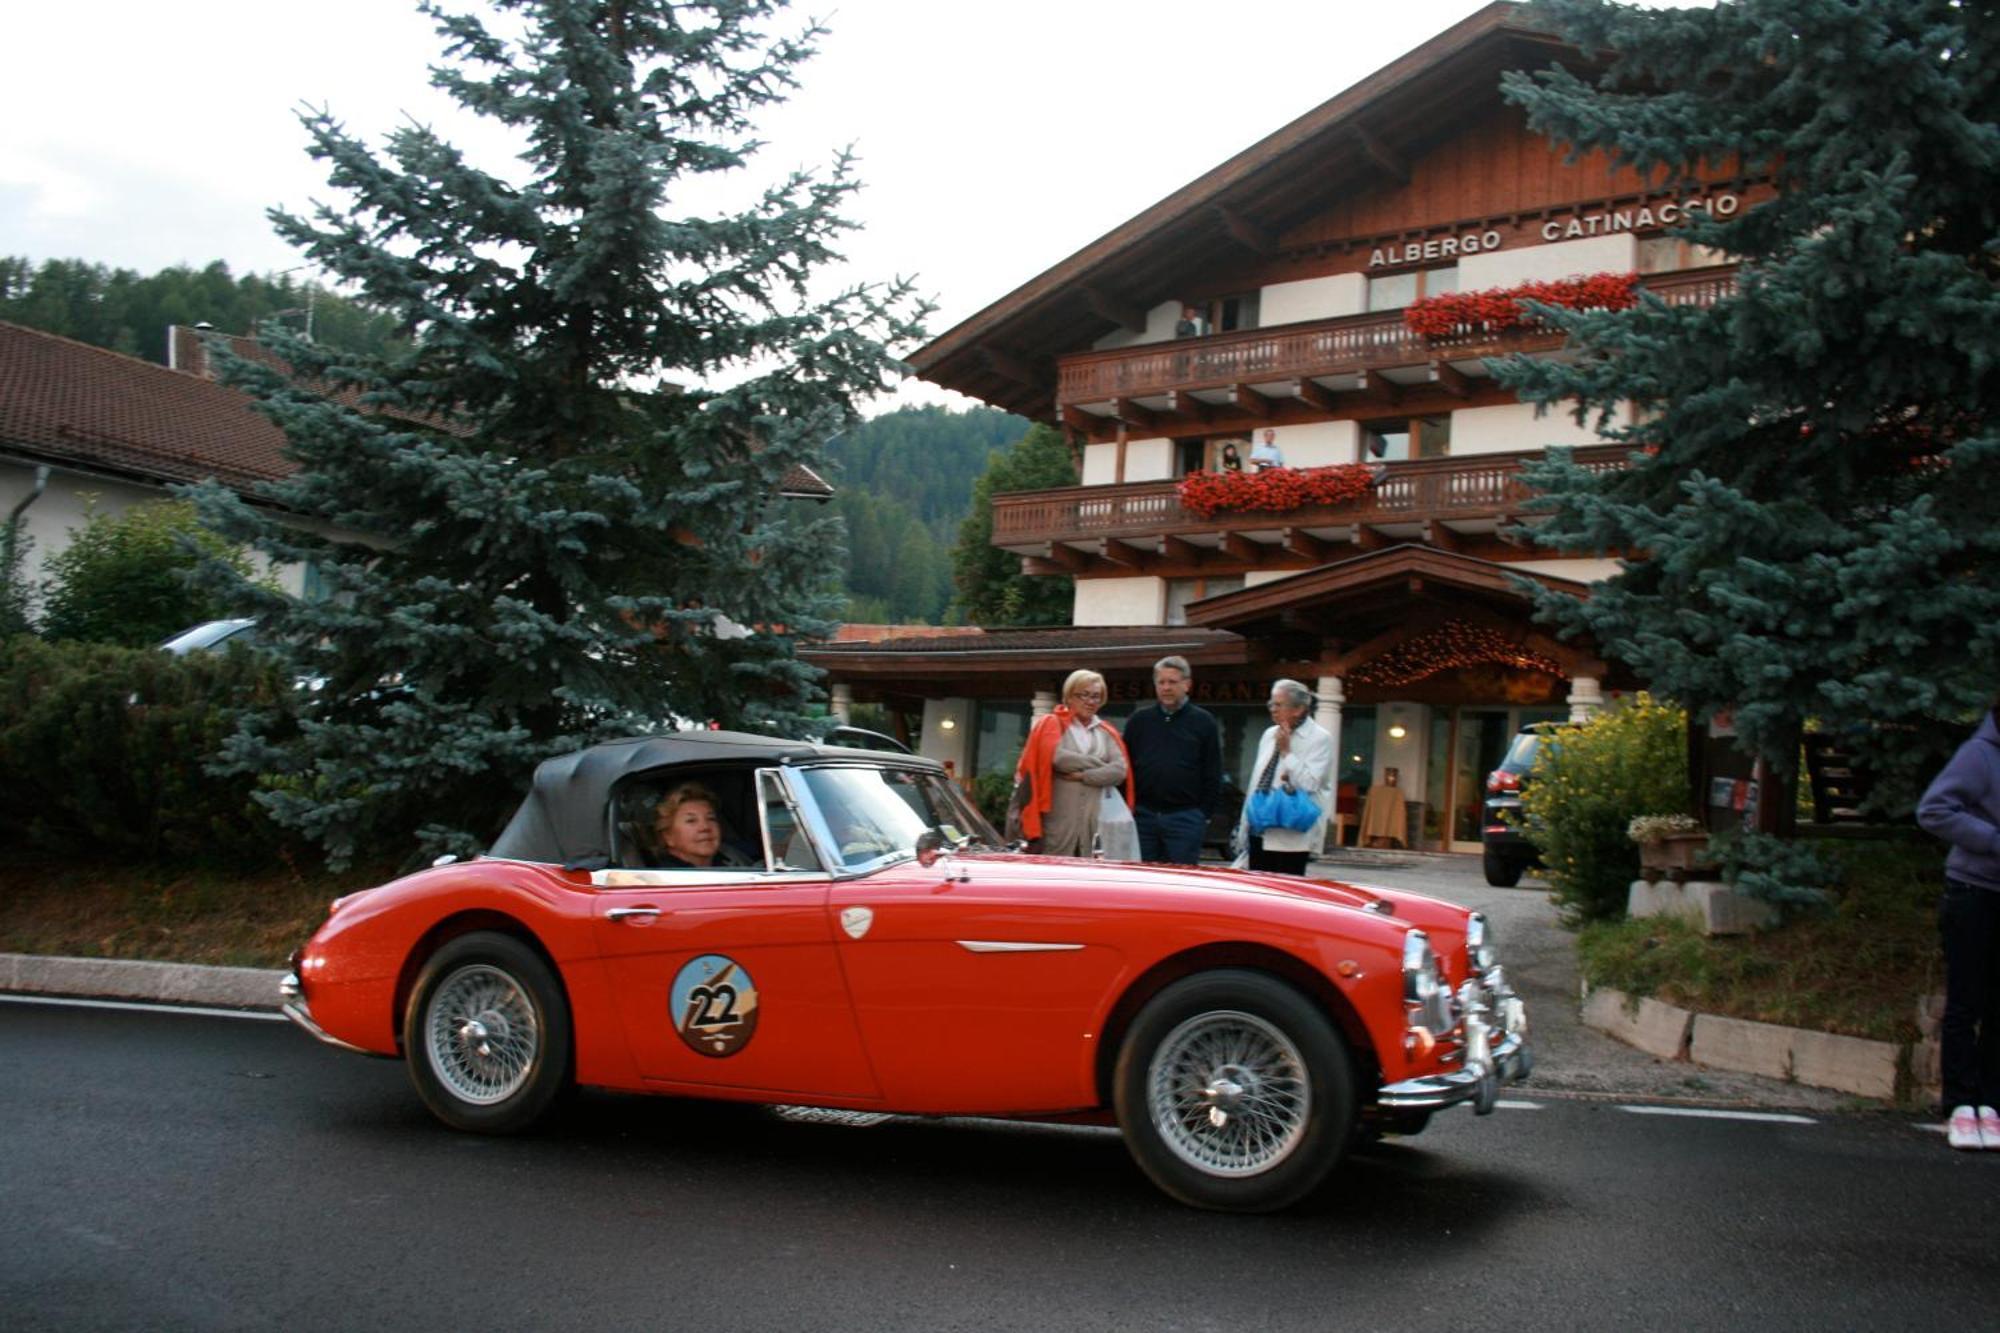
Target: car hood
(1125, 875)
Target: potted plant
(1668, 842)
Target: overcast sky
(995, 139)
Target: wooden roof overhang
(1013, 664)
(1365, 137)
(1362, 608)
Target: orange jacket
(1038, 765)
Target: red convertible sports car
(860, 939)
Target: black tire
(1502, 871)
(487, 1035)
(1293, 1062)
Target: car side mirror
(930, 846)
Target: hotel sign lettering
(1574, 226)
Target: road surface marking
(1505, 1105)
(1701, 1113)
(144, 1008)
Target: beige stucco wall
(1313, 298)
(1160, 321)
(947, 744)
(1149, 460)
(1513, 427)
(1617, 253)
(1100, 464)
(1318, 443)
(1135, 601)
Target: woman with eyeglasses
(1071, 757)
(1295, 755)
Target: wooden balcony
(1227, 379)
(1454, 503)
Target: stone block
(1654, 897)
(1655, 1028)
(1930, 1014)
(1847, 1064)
(1721, 910)
(1927, 1064)
(1746, 1047)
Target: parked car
(1505, 850)
(1221, 831)
(881, 955)
(211, 636)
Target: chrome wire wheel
(481, 1034)
(1228, 1093)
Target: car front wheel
(487, 1034)
(1234, 1092)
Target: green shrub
(991, 792)
(126, 579)
(105, 750)
(1587, 787)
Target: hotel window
(1393, 291)
(1190, 456)
(1233, 312)
(1668, 254)
(1182, 591)
(1403, 438)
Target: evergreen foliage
(125, 312)
(1815, 482)
(128, 579)
(102, 749)
(992, 590)
(556, 516)
(1588, 784)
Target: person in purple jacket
(1962, 806)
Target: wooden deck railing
(1478, 486)
(1354, 342)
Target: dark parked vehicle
(211, 636)
(1507, 852)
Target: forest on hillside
(903, 480)
(129, 312)
(903, 485)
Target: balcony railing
(1333, 346)
(1480, 486)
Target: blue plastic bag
(1276, 807)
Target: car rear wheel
(1502, 871)
(1234, 1092)
(487, 1034)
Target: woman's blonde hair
(670, 804)
(1081, 679)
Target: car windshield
(870, 815)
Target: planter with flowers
(1205, 494)
(1499, 308)
(1668, 843)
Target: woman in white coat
(1296, 754)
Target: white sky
(995, 140)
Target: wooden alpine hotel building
(1398, 605)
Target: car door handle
(629, 913)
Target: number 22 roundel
(714, 1005)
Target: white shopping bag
(1117, 835)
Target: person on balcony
(1231, 459)
(1265, 454)
(1191, 325)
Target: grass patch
(115, 910)
(1858, 969)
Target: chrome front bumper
(1494, 1051)
(294, 1007)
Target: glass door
(1479, 740)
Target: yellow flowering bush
(1588, 784)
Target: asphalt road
(170, 1171)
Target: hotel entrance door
(1466, 745)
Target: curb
(125, 979)
(1793, 1055)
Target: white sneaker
(1989, 1128)
(1963, 1131)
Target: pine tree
(992, 590)
(555, 518)
(1812, 510)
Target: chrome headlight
(1479, 950)
(1424, 992)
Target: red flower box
(1205, 494)
(1500, 308)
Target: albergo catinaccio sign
(1573, 226)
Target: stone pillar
(840, 702)
(1044, 703)
(1586, 698)
(1332, 694)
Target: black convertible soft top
(565, 817)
